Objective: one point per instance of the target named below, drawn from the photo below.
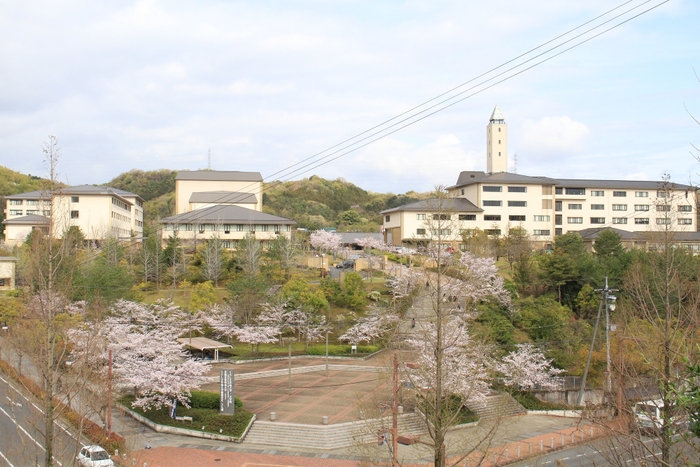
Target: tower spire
(496, 143)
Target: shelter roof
(201, 343)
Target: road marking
(28, 435)
(6, 459)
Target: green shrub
(530, 402)
(205, 400)
(210, 419)
(341, 349)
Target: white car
(94, 456)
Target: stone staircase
(497, 405)
(294, 435)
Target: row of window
(120, 203)
(227, 228)
(120, 217)
(499, 189)
(445, 232)
(19, 212)
(511, 204)
(29, 202)
(623, 220)
(623, 207)
(615, 193)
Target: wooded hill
(313, 202)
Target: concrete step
(328, 436)
(497, 405)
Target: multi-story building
(225, 204)
(200, 189)
(100, 212)
(496, 201)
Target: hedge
(341, 349)
(210, 400)
(203, 419)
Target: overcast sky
(264, 84)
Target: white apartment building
(198, 189)
(100, 212)
(227, 204)
(496, 201)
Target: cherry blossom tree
(256, 334)
(527, 368)
(325, 241)
(370, 327)
(147, 356)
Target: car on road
(94, 456)
(347, 264)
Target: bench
(183, 419)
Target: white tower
(496, 143)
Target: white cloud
(554, 135)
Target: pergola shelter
(202, 344)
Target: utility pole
(395, 415)
(605, 298)
(109, 395)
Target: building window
(619, 194)
(641, 207)
(441, 231)
(540, 232)
(619, 207)
(546, 204)
(663, 208)
(492, 231)
(516, 218)
(517, 189)
(557, 206)
(662, 194)
(32, 211)
(576, 206)
(32, 202)
(575, 191)
(541, 218)
(462, 191)
(557, 231)
(517, 204)
(597, 220)
(492, 189)
(685, 221)
(16, 212)
(75, 199)
(597, 207)
(15, 202)
(558, 219)
(492, 218)
(467, 217)
(493, 203)
(684, 208)
(420, 217)
(619, 220)
(420, 231)
(663, 220)
(574, 220)
(387, 218)
(641, 220)
(74, 214)
(641, 194)
(559, 191)
(597, 193)
(441, 217)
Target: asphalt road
(21, 429)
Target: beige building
(200, 189)
(100, 212)
(496, 201)
(226, 204)
(8, 267)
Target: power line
(383, 130)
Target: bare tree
(213, 259)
